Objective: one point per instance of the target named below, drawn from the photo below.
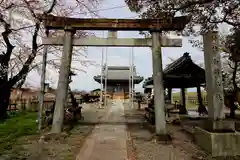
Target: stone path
(108, 139)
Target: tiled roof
(182, 68)
(183, 65)
(118, 67)
(119, 73)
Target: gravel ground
(146, 148)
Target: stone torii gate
(155, 26)
(113, 41)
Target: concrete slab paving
(107, 141)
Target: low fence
(28, 104)
(190, 100)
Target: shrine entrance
(155, 26)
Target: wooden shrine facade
(118, 78)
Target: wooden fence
(33, 104)
(190, 100)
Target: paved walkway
(108, 139)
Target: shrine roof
(119, 73)
(182, 73)
(183, 65)
(137, 79)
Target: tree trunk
(232, 99)
(232, 107)
(5, 93)
(7, 84)
(5, 87)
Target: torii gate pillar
(62, 88)
(159, 103)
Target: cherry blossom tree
(20, 41)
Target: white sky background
(120, 56)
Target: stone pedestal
(216, 135)
(219, 145)
(221, 126)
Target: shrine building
(118, 80)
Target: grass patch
(191, 96)
(191, 106)
(16, 126)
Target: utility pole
(132, 77)
(106, 76)
(101, 94)
(42, 91)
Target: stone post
(159, 104)
(62, 89)
(28, 104)
(213, 73)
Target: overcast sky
(120, 56)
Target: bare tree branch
(51, 7)
(15, 30)
(30, 59)
(191, 3)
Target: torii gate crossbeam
(114, 42)
(163, 23)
